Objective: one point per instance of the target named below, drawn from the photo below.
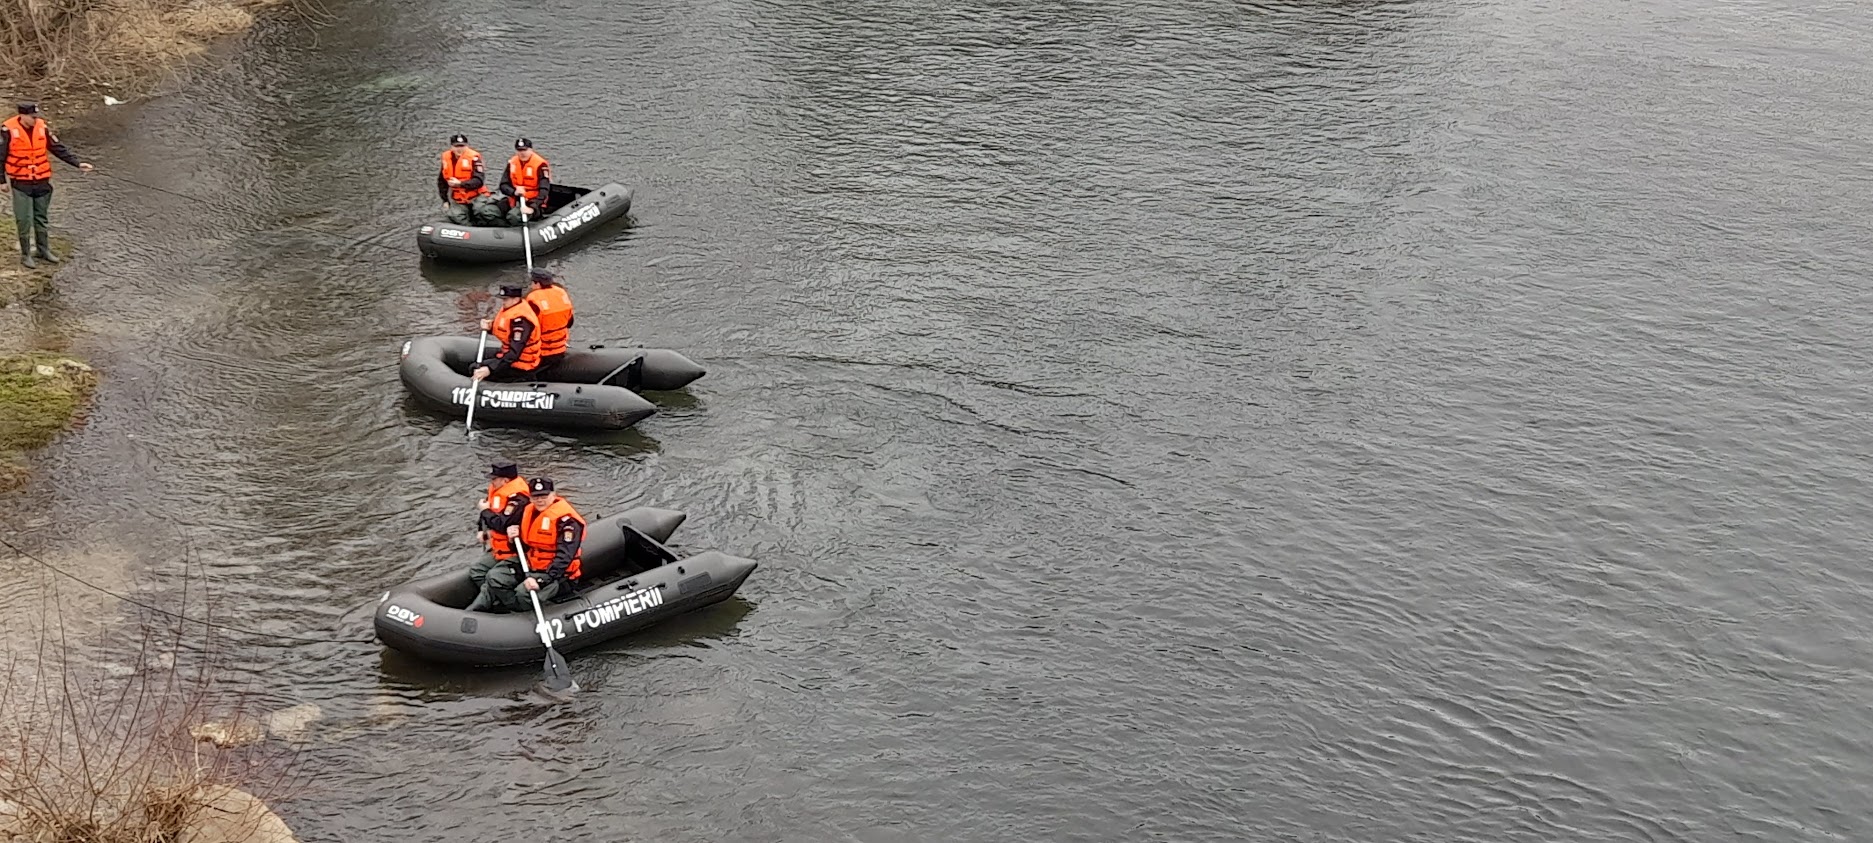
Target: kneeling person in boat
(462, 184)
(554, 307)
(507, 497)
(550, 536)
(525, 183)
(517, 327)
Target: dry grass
(70, 45)
(96, 756)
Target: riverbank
(17, 283)
(120, 748)
(42, 391)
(42, 394)
(73, 53)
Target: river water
(1174, 419)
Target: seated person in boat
(517, 327)
(507, 497)
(525, 183)
(462, 184)
(554, 307)
(549, 538)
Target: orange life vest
(525, 176)
(462, 167)
(555, 309)
(29, 156)
(503, 327)
(539, 531)
(500, 491)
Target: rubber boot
(480, 603)
(26, 252)
(44, 239)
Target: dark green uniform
(496, 521)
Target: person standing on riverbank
(30, 145)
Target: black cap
(454, 139)
(523, 143)
(504, 468)
(540, 276)
(509, 291)
(541, 484)
(29, 108)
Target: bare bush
(88, 42)
(91, 754)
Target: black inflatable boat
(594, 388)
(631, 581)
(571, 213)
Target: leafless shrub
(91, 754)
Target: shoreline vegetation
(146, 745)
(134, 756)
(71, 53)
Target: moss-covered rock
(42, 394)
(18, 282)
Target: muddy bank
(42, 392)
(17, 283)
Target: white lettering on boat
(585, 214)
(622, 606)
(506, 399)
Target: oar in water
(526, 238)
(558, 675)
(474, 385)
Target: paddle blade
(558, 675)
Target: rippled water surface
(1178, 419)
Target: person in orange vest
(551, 534)
(517, 327)
(554, 306)
(462, 184)
(528, 178)
(30, 146)
(507, 497)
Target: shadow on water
(630, 441)
(400, 671)
(446, 275)
(674, 400)
(720, 622)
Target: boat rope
(93, 586)
(229, 209)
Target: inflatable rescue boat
(593, 388)
(571, 214)
(631, 581)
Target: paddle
(473, 385)
(526, 237)
(558, 675)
